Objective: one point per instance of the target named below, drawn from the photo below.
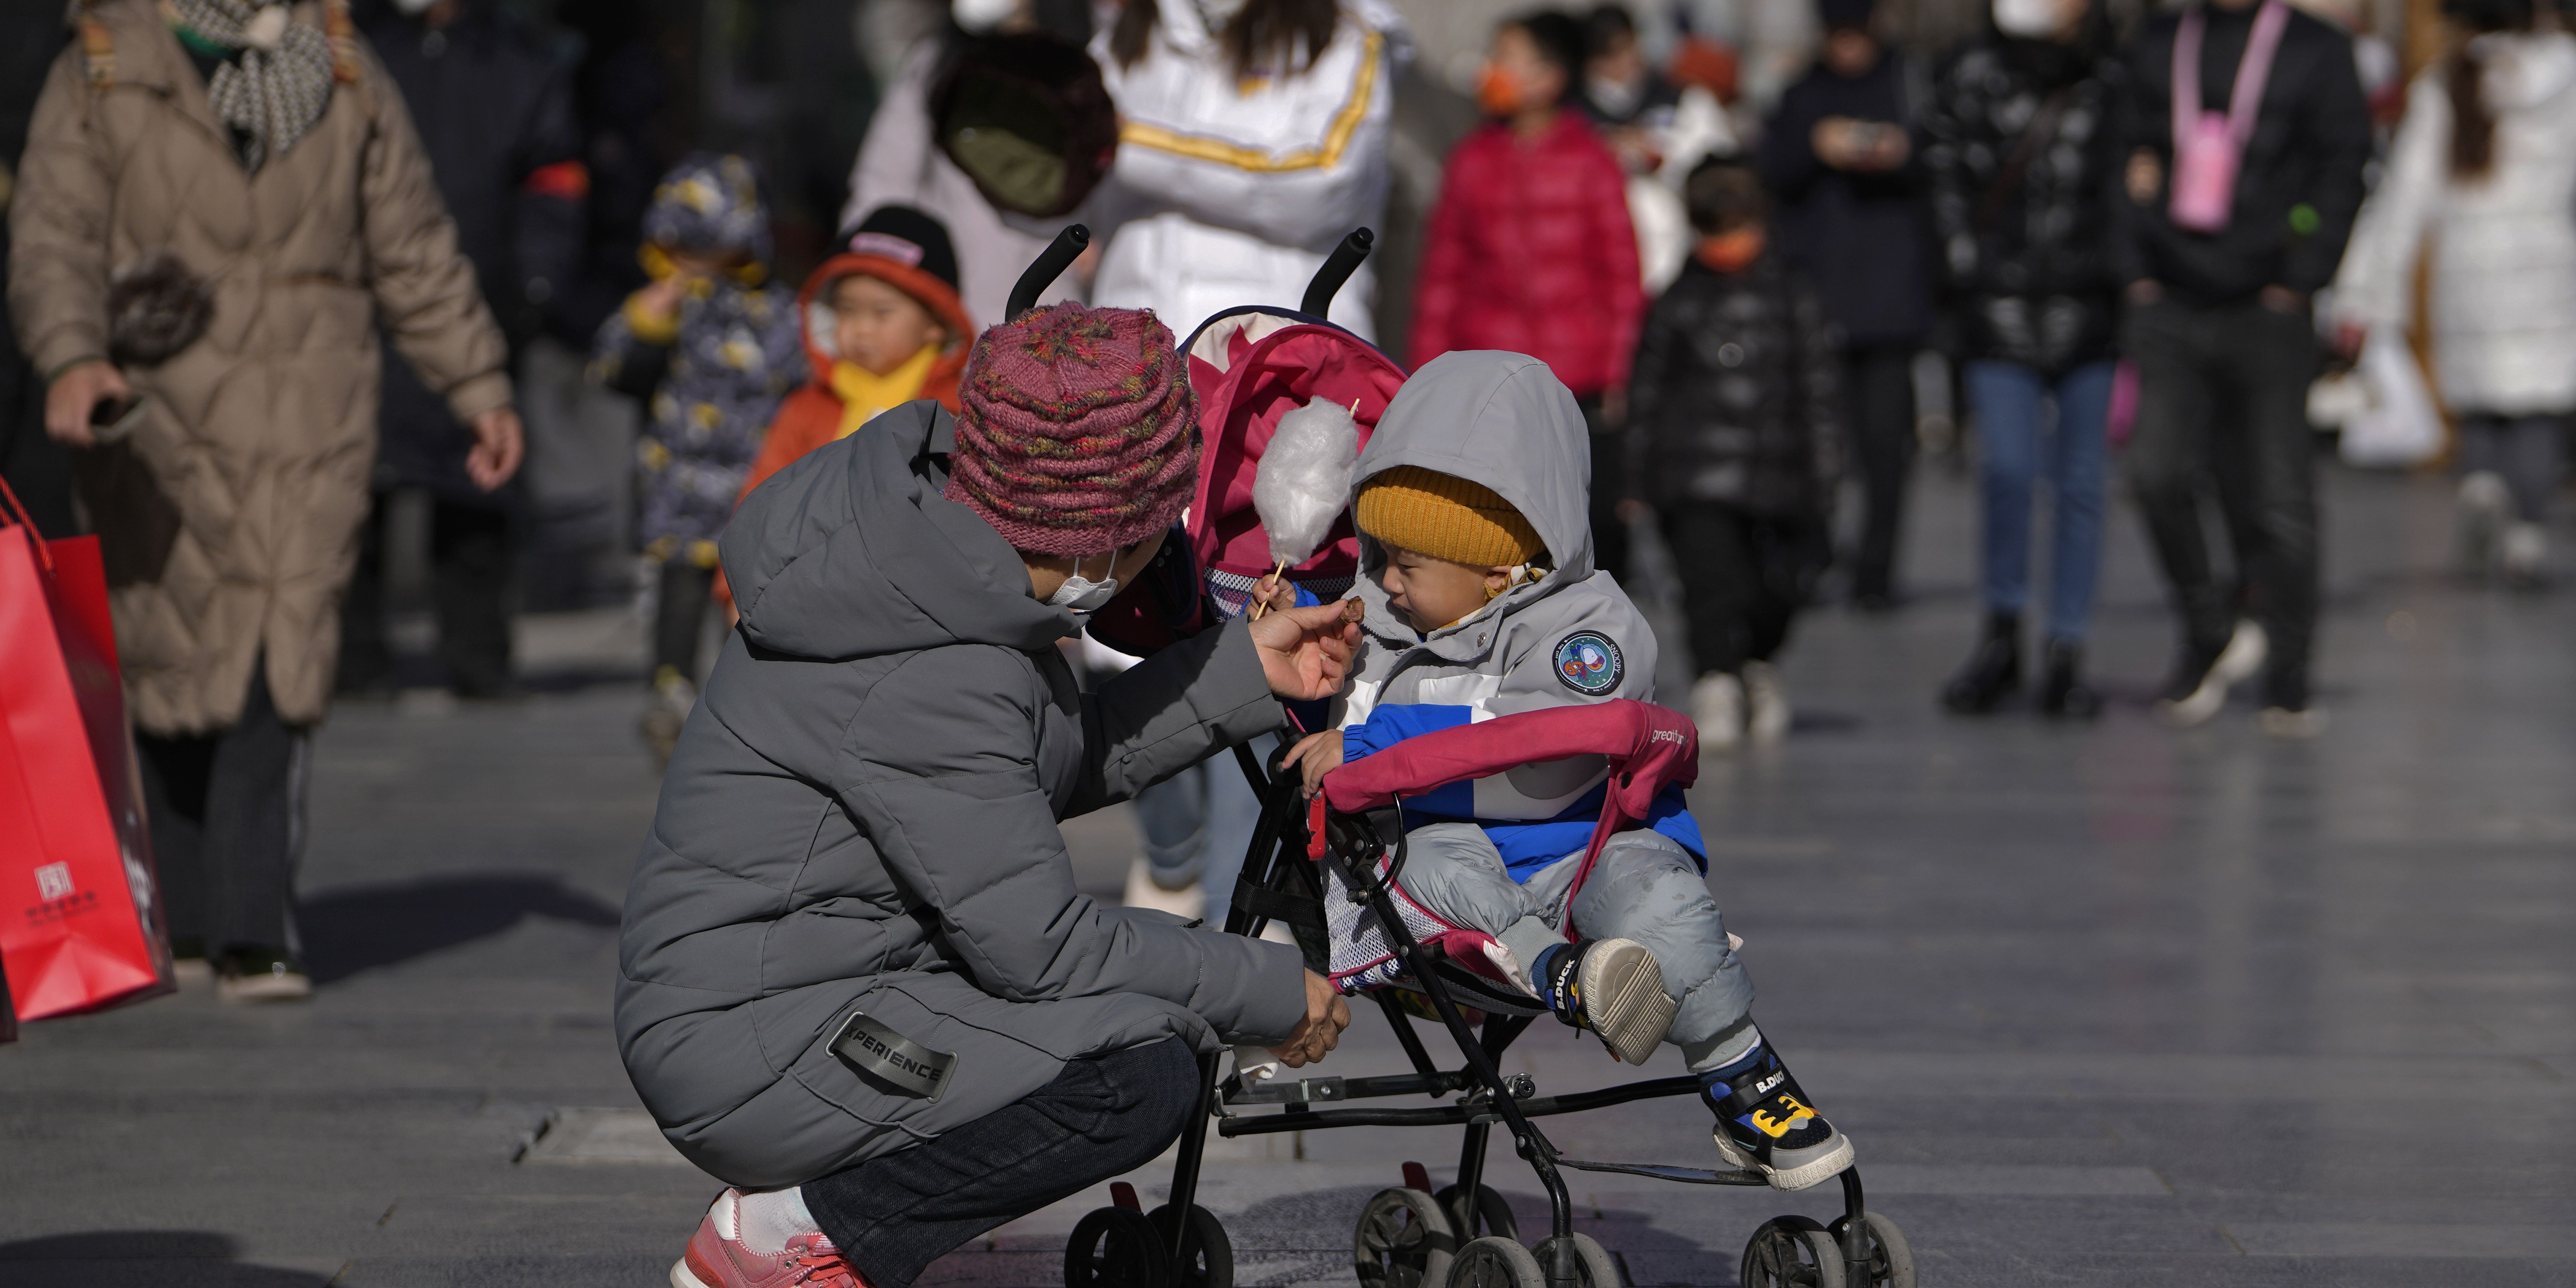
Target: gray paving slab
(2102, 1005)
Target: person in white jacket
(901, 164)
(1252, 139)
(2485, 162)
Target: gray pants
(2523, 450)
(1644, 888)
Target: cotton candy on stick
(1304, 480)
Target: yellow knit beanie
(1445, 517)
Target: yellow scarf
(864, 394)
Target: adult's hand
(1305, 652)
(75, 393)
(1326, 1016)
(499, 444)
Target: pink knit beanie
(1077, 432)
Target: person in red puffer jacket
(1530, 248)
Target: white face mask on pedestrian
(1081, 596)
(413, 8)
(980, 16)
(2031, 19)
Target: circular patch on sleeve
(1588, 663)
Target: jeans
(2222, 405)
(1741, 576)
(227, 817)
(1198, 825)
(1878, 401)
(2523, 450)
(1103, 1116)
(2010, 402)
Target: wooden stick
(1262, 605)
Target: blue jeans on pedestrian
(2011, 403)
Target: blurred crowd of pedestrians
(1766, 243)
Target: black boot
(2064, 692)
(1993, 672)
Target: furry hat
(155, 308)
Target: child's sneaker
(1766, 701)
(666, 711)
(1612, 987)
(1717, 707)
(718, 1258)
(1764, 1124)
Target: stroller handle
(1048, 266)
(1337, 269)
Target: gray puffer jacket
(861, 816)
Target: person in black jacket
(495, 115)
(2219, 326)
(1838, 155)
(2017, 142)
(1736, 433)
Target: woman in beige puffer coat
(229, 515)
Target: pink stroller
(1327, 871)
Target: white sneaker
(2524, 552)
(1769, 701)
(1189, 903)
(1717, 707)
(2484, 503)
(2246, 649)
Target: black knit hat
(906, 236)
(1840, 14)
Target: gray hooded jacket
(1502, 420)
(861, 816)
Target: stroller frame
(1278, 884)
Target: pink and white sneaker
(717, 1257)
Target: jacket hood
(2524, 70)
(852, 552)
(1505, 421)
(815, 308)
(710, 203)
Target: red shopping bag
(80, 910)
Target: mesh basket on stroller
(1327, 870)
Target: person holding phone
(1839, 156)
(229, 511)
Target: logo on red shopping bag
(54, 881)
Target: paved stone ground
(2103, 1005)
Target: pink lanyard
(2246, 100)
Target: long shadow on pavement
(349, 929)
(174, 1258)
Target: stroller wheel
(1496, 1263)
(1792, 1252)
(1404, 1240)
(1115, 1247)
(1492, 1214)
(1207, 1255)
(1891, 1261)
(1584, 1255)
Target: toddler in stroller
(1482, 602)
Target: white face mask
(980, 16)
(2029, 19)
(1081, 596)
(1618, 98)
(414, 8)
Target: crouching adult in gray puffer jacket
(855, 972)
